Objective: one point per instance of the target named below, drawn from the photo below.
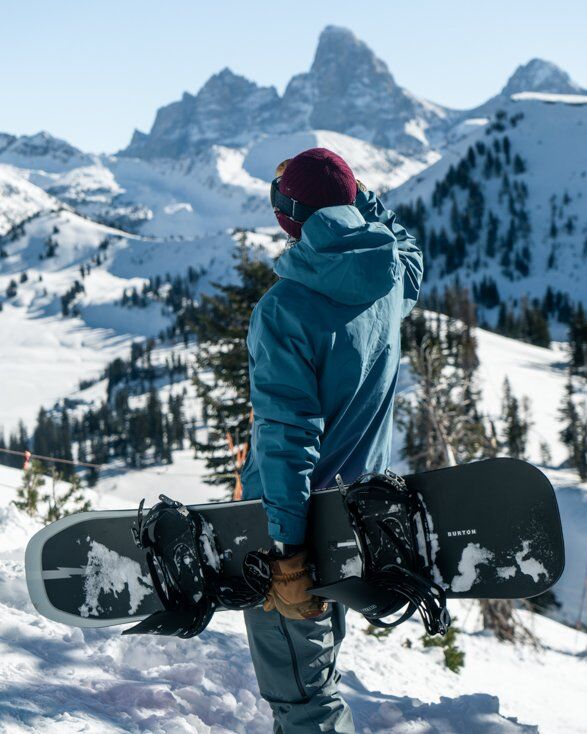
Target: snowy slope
(19, 199)
(50, 353)
(59, 679)
(548, 132)
(211, 190)
(382, 168)
(533, 372)
(205, 193)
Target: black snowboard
(494, 528)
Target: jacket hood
(343, 256)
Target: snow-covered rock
(228, 109)
(41, 151)
(539, 75)
(349, 90)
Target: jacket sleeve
(410, 255)
(412, 262)
(288, 424)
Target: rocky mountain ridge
(348, 89)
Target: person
(324, 352)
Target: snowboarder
(324, 348)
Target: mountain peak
(338, 33)
(339, 47)
(539, 75)
(226, 82)
(41, 150)
(228, 109)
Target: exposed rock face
(228, 109)
(348, 89)
(539, 75)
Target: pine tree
(443, 425)
(29, 493)
(574, 432)
(17, 441)
(176, 425)
(154, 427)
(578, 341)
(454, 657)
(221, 326)
(516, 420)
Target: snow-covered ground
(58, 680)
(44, 354)
(533, 372)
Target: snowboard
(493, 531)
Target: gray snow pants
(295, 664)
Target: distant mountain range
(347, 90)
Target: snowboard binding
(184, 565)
(391, 530)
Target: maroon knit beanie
(317, 177)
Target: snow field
(59, 679)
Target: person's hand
(288, 591)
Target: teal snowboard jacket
(324, 353)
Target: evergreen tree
(154, 425)
(443, 425)
(17, 441)
(516, 420)
(29, 493)
(221, 326)
(519, 165)
(574, 432)
(454, 657)
(176, 423)
(578, 341)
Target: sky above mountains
(92, 72)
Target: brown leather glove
(287, 593)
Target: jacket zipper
(294, 660)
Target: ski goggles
(289, 207)
(292, 208)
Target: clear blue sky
(91, 71)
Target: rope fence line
(27, 456)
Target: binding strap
(385, 516)
(180, 571)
